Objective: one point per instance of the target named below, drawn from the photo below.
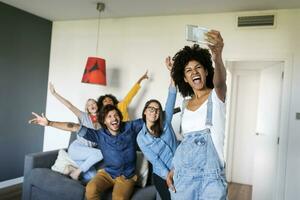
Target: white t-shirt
(195, 121)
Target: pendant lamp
(95, 68)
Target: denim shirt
(119, 152)
(160, 150)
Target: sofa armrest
(39, 160)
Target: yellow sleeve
(122, 105)
(126, 101)
(123, 109)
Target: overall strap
(209, 111)
(183, 106)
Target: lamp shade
(95, 71)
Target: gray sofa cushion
(147, 193)
(43, 180)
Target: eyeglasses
(153, 109)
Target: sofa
(41, 183)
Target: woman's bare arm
(64, 101)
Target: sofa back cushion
(142, 169)
(62, 161)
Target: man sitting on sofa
(117, 141)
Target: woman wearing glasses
(157, 139)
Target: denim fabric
(160, 150)
(85, 157)
(119, 152)
(161, 187)
(198, 172)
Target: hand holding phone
(196, 34)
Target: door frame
(280, 184)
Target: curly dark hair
(182, 58)
(104, 111)
(101, 98)
(157, 127)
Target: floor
(235, 192)
(238, 191)
(11, 193)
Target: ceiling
(57, 10)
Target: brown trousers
(122, 187)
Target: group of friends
(192, 168)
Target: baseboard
(11, 182)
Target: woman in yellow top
(122, 105)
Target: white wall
(132, 45)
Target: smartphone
(196, 34)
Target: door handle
(259, 134)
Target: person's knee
(122, 193)
(120, 196)
(91, 189)
(95, 155)
(98, 154)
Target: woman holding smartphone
(199, 162)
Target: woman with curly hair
(198, 164)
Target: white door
(246, 94)
(267, 131)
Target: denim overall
(199, 173)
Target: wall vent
(256, 21)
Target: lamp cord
(98, 33)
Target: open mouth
(115, 124)
(196, 79)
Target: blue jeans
(85, 157)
